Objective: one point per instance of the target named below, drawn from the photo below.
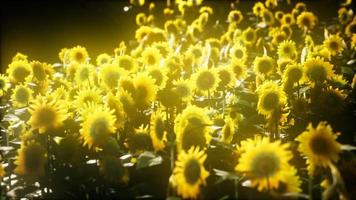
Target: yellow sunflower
(47, 114)
(18, 71)
(238, 52)
(21, 96)
(264, 162)
(318, 70)
(267, 17)
(192, 128)
(228, 130)
(20, 57)
(4, 84)
(287, 50)
(113, 170)
(334, 44)
(239, 69)
(159, 75)
(113, 103)
(351, 28)
(183, 87)
(38, 70)
(158, 131)
(291, 181)
(293, 73)
(235, 16)
(98, 123)
(31, 160)
(84, 73)
(103, 58)
(227, 77)
(141, 19)
(110, 75)
(139, 140)
(287, 19)
(319, 146)
(271, 97)
(249, 36)
(151, 56)
(257, 8)
(78, 54)
(87, 95)
(343, 15)
(206, 80)
(145, 90)
(127, 62)
(332, 101)
(189, 173)
(306, 20)
(263, 65)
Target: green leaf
(347, 147)
(148, 159)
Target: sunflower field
(257, 104)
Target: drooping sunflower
(38, 70)
(271, 97)
(264, 162)
(183, 87)
(189, 173)
(4, 84)
(113, 170)
(97, 124)
(351, 28)
(141, 19)
(287, 30)
(318, 70)
(31, 160)
(126, 62)
(306, 20)
(334, 44)
(158, 131)
(206, 80)
(263, 65)
(151, 56)
(192, 128)
(78, 54)
(18, 71)
(47, 114)
(228, 130)
(110, 75)
(319, 146)
(21, 96)
(145, 90)
(287, 50)
(103, 58)
(20, 57)
(239, 52)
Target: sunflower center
(98, 129)
(320, 146)
(249, 36)
(318, 73)
(334, 45)
(20, 73)
(112, 78)
(265, 164)
(193, 134)
(264, 66)
(287, 49)
(205, 80)
(159, 128)
(192, 171)
(84, 74)
(271, 101)
(141, 92)
(353, 28)
(182, 90)
(224, 77)
(151, 60)
(79, 56)
(2, 84)
(239, 53)
(126, 64)
(22, 95)
(157, 75)
(295, 74)
(306, 22)
(46, 116)
(38, 71)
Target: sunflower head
(159, 75)
(78, 54)
(4, 84)
(189, 173)
(287, 50)
(83, 73)
(239, 69)
(228, 130)
(271, 98)
(249, 36)
(110, 75)
(334, 44)
(47, 114)
(97, 124)
(238, 52)
(139, 140)
(351, 28)
(332, 101)
(306, 20)
(267, 17)
(31, 160)
(206, 80)
(126, 62)
(145, 90)
(113, 103)
(103, 58)
(158, 130)
(183, 87)
(318, 70)
(264, 162)
(21, 95)
(87, 95)
(319, 146)
(151, 56)
(18, 71)
(235, 16)
(263, 65)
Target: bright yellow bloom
(318, 70)
(263, 65)
(103, 58)
(271, 97)
(306, 20)
(206, 80)
(145, 90)
(287, 50)
(18, 71)
(78, 54)
(334, 44)
(158, 130)
(21, 96)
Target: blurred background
(40, 29)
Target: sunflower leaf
(347, 147)
(148, 159)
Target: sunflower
(47, 114)
(151, 56)
(278, 37)
(87, 95)
(249, 36)
(127, 62)
(343, 15)
(103, 58)
(4, 84)
(127, 101)
(158, 130)
(78, 54)
(110, 75)
(257, 9)
(271, 97)
(19, 57)
(287, 50)
(287, 19)
(291, 181)
(140, 140)
(318, 70)
(18, 71)
(21, 96)
(334, 44)
(238, 52)
(31, 160)
(145, 90)
(192, 128)
(113, 103)
(141, 19)
(239, 69)
(189, 173)
(263, 65)
(183, 87)
(98, 123)
(292, 74)
(287, 30)
(267, 17)
(113, 170)
(38, 70)
(319, 146)
(235, 16)
(278, 15)
(351, 28)
(228, 130)
(206, 80)
(227, 77)
(264, 162)
(306, 20)
(83, 73)
(159, 75)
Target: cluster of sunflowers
(194, 108)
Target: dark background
(40, 29)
